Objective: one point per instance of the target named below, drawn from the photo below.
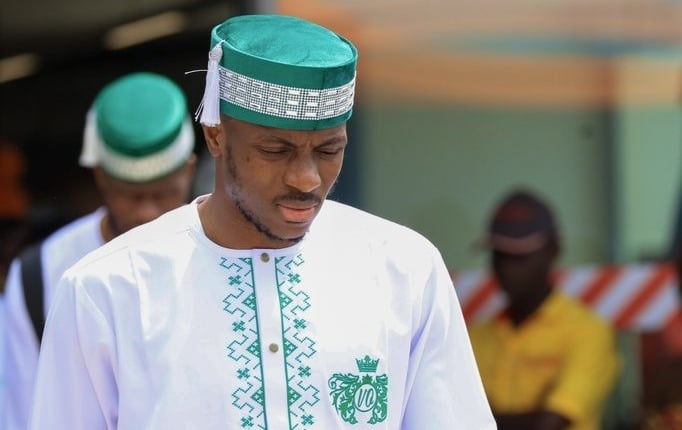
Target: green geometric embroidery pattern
(352, 393)
(297, 346)
(244, 344)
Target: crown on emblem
(367, 365)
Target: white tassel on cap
(209, 109)
(88, 157)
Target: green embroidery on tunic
(297, 346)
(244, 344)
(352, 393)
(244, 347)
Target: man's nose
(303, 174)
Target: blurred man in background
(547, 362)
(139, 142)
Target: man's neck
(523, 308)
(108, 228)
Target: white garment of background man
(59, 251)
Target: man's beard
(260, 226)
(235, 191)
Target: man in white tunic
(263, 305)
(139, 141)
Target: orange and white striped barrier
(641, 297)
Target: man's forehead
(294, 137)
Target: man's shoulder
(76, 229)
(578, 313)
(483, 328)
(159, 234)
(353, 222)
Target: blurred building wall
(440, 169)
(648, 153)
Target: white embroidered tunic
(355, 327)
(18, 366)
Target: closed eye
(331, 151)
(279, 150)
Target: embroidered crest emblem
(364, 394)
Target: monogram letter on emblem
(362, 393)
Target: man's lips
(297, 213)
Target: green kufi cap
(279, 71)
(138, 129)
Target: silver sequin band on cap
(149, 167)
(283, 101)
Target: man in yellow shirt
(547, 362)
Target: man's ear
(100, 176)
(214, 137)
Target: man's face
(275, 180)
(523, 276)
(132, 204)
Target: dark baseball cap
(521, 224)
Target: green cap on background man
(138, 129)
